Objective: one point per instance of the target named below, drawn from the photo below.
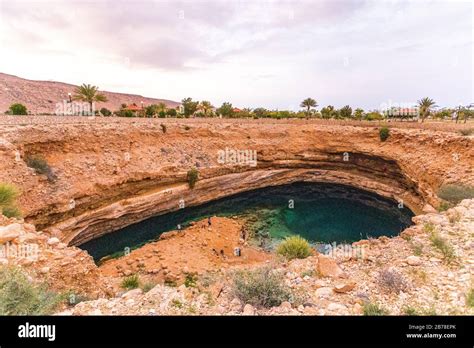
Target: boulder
(343, 288)
(336, 307)
(10, 232)
(323, 292)
(53, 241)
(413, 260)
(248, 310)
(132, 293)
(428, 209)
(327, 267)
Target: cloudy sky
(251, 53)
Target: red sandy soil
(196, 249)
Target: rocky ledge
(109, 175)
(413, 273)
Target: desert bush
(192, 177)
(429, 227)
(105, 112)
(454, 217)
(455, 193)
(384, 133)
(261, 287)
(372, 309)
(411, 311)
(11, 212)
(39, 164)
(190, 281)
(171, 112)
(470, 298)
(8, 194)
(443, 206)
(163, 128)
(390, 280)
(417, 249)
(18, 109)
(187, 128)
(443, 246)
(467, 132)
(148, 286)
(20, 296)
(294, 247)
(130, 282)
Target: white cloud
(252, 53)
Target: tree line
(192, 108)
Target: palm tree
(308, 103)
(161, 107)
(89, 94)
(425, 104)
(206, 106)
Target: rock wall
(111, 175)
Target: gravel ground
(446, 126)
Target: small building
(134, 107)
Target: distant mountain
(42, 96)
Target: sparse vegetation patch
(261, 287)
(294, 247)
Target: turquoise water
(321, 213)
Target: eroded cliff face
(112, 175)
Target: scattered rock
(10, 232)
(328, 267)
(248, 310)
(53, 241)
(323, 292)
(344, 287)
(413, 260)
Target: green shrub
(171, 283)
(470, 298)
(374, 309)
(161, 114)
(18, 109)
(455, 193)
(411, 311)
(105, 112)
(163, 128)
(384, 133)
(192, 177)
(191, 280)
(171, 112)
(20, 296)
(429, 227)
(443, 246)
(148, 286)
(294, 247)
(261, 287)
(39, 164)
(11, 212)
(130, 282)
(443, 206)
(8, 194)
